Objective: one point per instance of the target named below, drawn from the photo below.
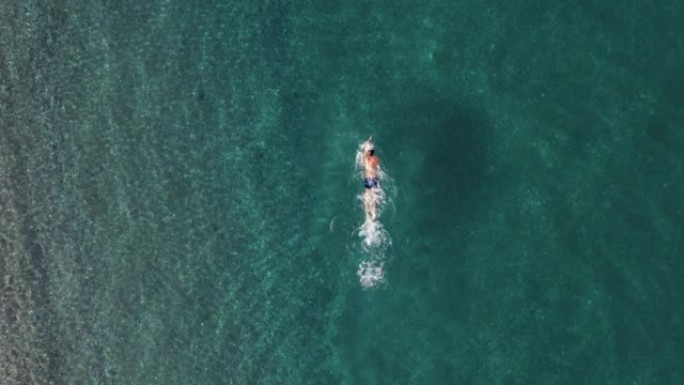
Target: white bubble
(370, 274)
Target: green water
(178, 197)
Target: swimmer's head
(367, 148)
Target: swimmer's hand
(365, 145)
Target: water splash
(371, 273)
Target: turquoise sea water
(179, 200)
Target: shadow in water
(446, 146)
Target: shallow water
(179, 200)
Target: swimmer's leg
(369, 204)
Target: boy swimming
(370, 179)
(376, 240)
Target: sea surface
(180, 200)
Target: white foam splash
(370, 274)
(373, 234)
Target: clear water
(179, 198)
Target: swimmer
(370, 178)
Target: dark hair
(371, 152)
